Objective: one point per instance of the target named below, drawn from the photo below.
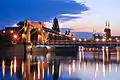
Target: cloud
(87, 35)
(66, 18)
(43, 10)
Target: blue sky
(78, 15)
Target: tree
(55, 25)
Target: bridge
(77, 43)
(36, 34)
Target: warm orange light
(15, 64)
(15, 36)
(4, 31)
(25, 28)
(11, 31)
(3, 68)
(23, 36)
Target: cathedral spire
(108, 25)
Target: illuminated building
(32, 32)
(107, 31)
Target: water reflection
(91, 64)
(3, 68)
(70, 70)
(11, 68)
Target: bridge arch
(34, 29)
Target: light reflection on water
(80, 69)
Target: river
(90, 64)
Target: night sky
(77, 15)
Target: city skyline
(77, 15)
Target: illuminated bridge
(37, 34)
(78, 43)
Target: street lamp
(15, 36)
(80, 40)
(85, 40)
(11, 31)
(4, 31)
(74, 39)
(97, 41)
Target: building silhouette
(107, 31)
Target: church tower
(107, 31)
(56, 25)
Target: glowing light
(97, 39)
(4, 31)
(59, 70)
(79, 64)
(23, 67)
(73, 65)
(118, 55)
(15, 64)
(110, 39)
(3, 68)
(85, 39)
(39, 29)
(34, 75)
(74, 39)
(25, 28)
(38, 69)
(109, 67)
(80, 56)
(11, 31)
(11, 68)
(43, 68)
(80, 40)
(23, 36)
(48, 70)
(30, 46)
(82, 53)
(96, 70)
(52, 69)
(85, 66)
(103, 53)
(69, 69)
(103, 69)
(53, 34)
(103, 40)
(15, 36)
(116, 38)
(107, 52)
